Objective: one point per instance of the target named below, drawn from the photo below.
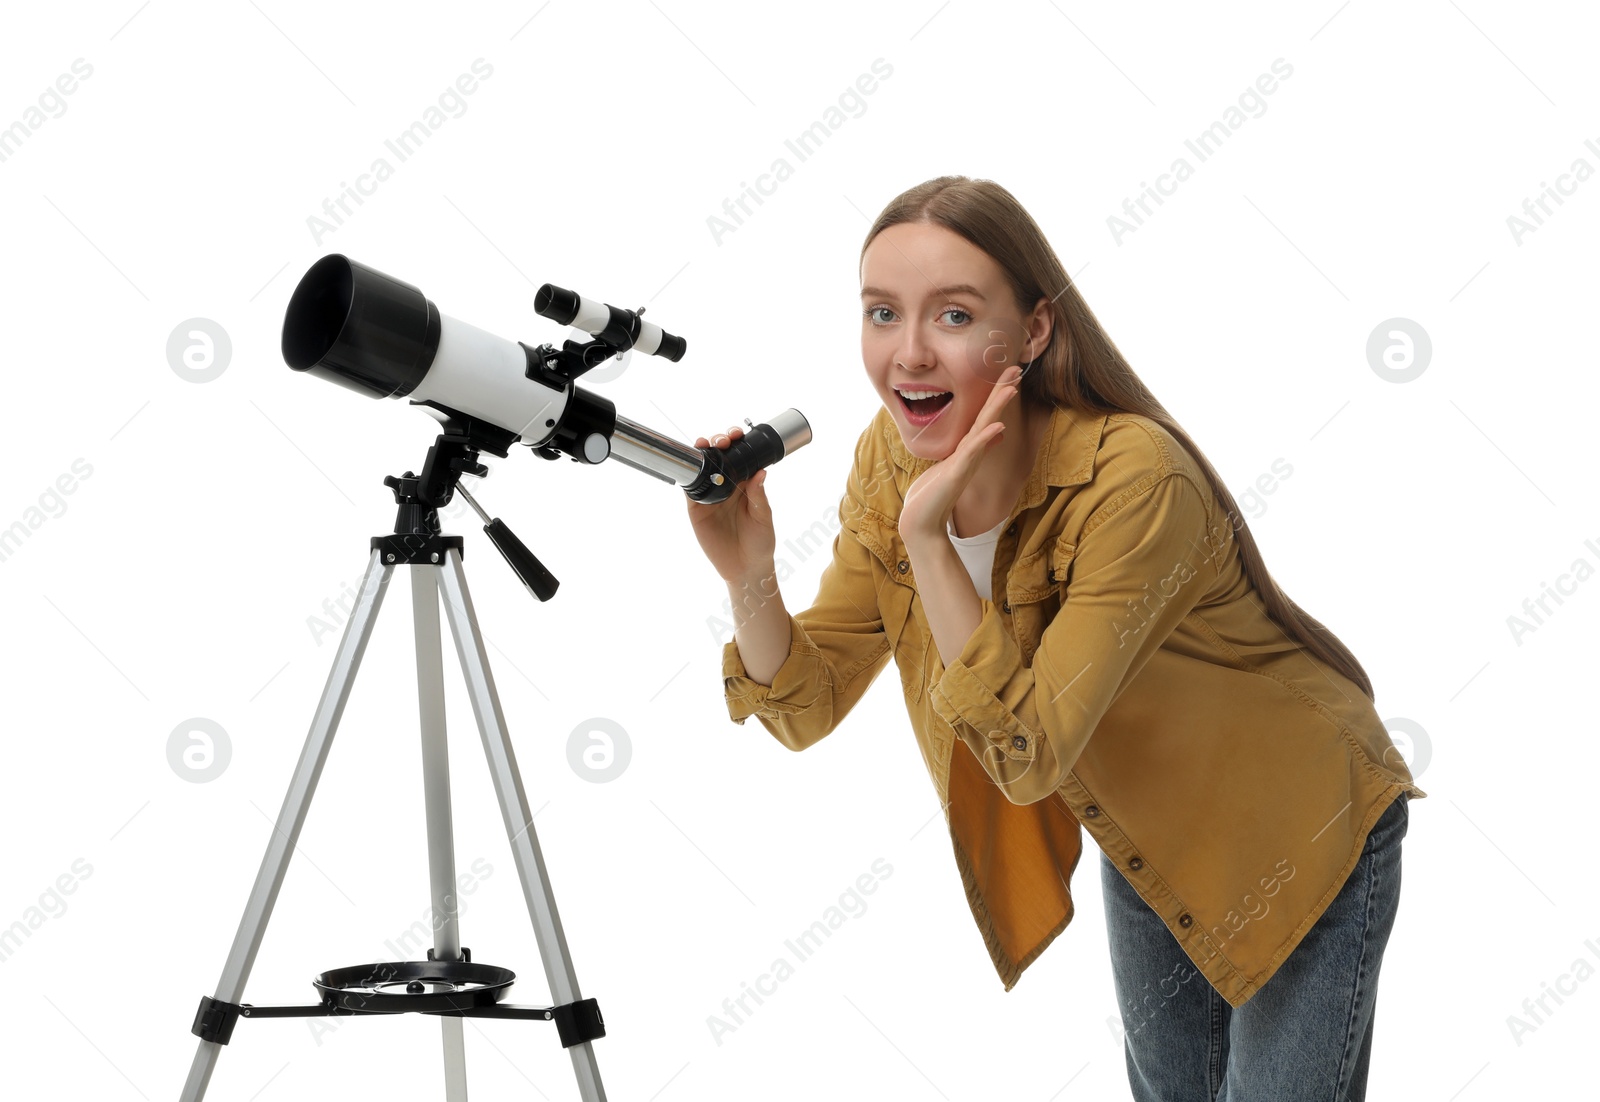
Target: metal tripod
(448, 983)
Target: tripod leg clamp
(214, 1021)
(578, 1022)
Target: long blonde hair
(1081, 367)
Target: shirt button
(1005, 606)
(1020, 742)
(904, 566)
(1185, 921)
(1136, 863)
(1012, 530)
(1091, 811)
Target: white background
(177, 580)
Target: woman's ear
(1041, 325)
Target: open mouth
(922, 410)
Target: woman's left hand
(932, 497)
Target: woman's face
(939, 316)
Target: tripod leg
(552, 941)
(230, 988)
(436, 796)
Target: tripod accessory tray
(421, 985)
(446, 987)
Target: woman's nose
(912, 355)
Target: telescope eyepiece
(672, 347)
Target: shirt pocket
(1035, 588)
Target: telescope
(380, 336)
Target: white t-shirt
(977, 554)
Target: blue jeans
(1305, 1036)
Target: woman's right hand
(736, 533)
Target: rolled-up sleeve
(837, 646)
(1137, 573)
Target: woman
(1070, 591)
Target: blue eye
(871, 310)
(957, 310)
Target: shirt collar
(1066, 456)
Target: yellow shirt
(1128, 680)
